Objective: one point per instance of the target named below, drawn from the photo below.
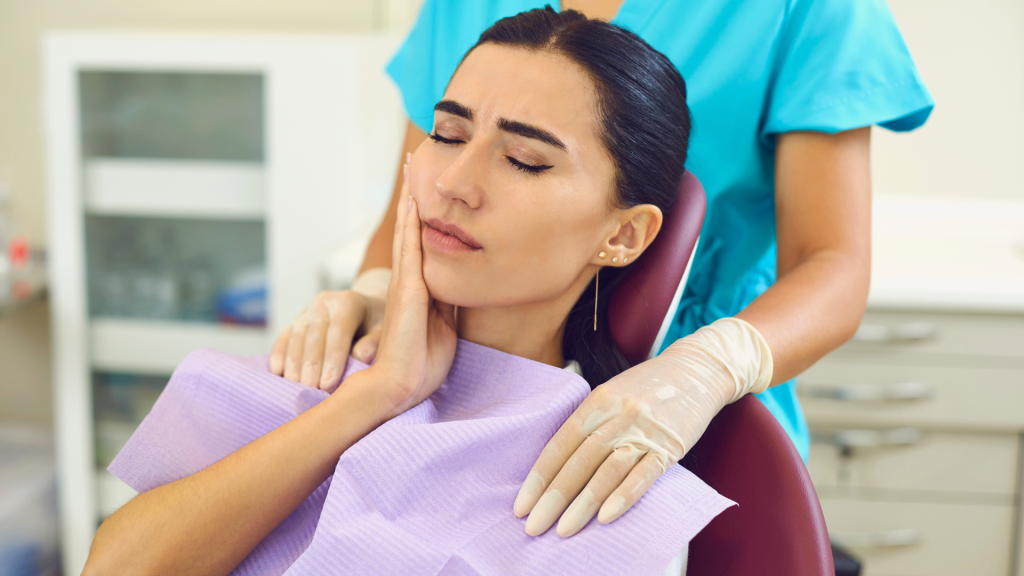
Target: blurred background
(192, 173)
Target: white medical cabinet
(195, 184)
(918, 423)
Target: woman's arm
(210, 521)
(207, 523)
(823, 227)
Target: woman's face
(515, 188)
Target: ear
(637, 228)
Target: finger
(396, 242)
(342, 328)
(365, 349)
(293, 357)
(411, 266)
(313, 347)
(551, 459)
(608, 477)
(279, 350)
(570, 435)
(636, 484)
(578, 470)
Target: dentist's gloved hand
(631, 429)
(314, 348)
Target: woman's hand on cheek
(418, 339)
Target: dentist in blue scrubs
(782, 94)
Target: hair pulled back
(645, 126)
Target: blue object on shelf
(244, 301)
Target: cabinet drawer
(981, 465)
(911, 539)
(893, 336)
(957, 398)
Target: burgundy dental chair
(778, 528)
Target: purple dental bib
(429, 492)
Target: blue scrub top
(753, 69)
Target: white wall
(971, 55)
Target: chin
(459, 287)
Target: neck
(532, 330)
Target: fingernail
(545, 513)
(362, 353)
(611, 509)
(578, 514)
(408, 205)
(531, 489)
(408, 158)
(327, 376)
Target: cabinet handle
(867, 438)
(880, 539)
(910, 332)
(870, 392)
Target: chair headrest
(643, 304)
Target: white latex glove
(631, 429)
(313, 349)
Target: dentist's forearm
(378, 253)
(810, 311)
(823, 226)
(208, 523)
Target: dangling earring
(597, 284)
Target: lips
(449, 237)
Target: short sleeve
(840, 65)
(444, 31)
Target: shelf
(157, 347)
(175, 188)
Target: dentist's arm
(207, 523)
(313, 349)
(634, 427)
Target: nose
(461, 182)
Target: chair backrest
(778, 527)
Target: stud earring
(624, 259)
(615, 259)
(597, 284)
(602, 255)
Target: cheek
(537, 251)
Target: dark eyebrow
(454, 108)
(528, 131)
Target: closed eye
(442, 140)
(529, 168)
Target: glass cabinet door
(174, 194)
(175, 188)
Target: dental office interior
(179, 175)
